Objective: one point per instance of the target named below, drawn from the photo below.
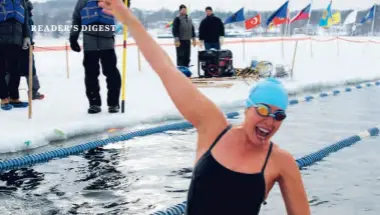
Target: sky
(233, 5)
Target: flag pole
(244, 35)
(288, 19)
(373, 19)
(308, 23)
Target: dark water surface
(151, 173)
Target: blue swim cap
(270, 92)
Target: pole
(337, 45)
(373, 19)
(244, 48)
(308, 21)
(288, 20)
(123, 78)
(282, 47)
(294, 59)
(30, 80)
(67, 61)
(139, 58)
(308, 24)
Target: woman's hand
(115, 8)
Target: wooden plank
(215, 86)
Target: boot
(5, 104)
(38, 96)
(16, 103)
(94, 109)
(113, 109)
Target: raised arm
(206, 117)
(292, 188)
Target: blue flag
(236, 17)
(281, 13)
(326, 19)
(369, 15)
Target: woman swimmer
(229, 176)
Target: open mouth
(261, 132)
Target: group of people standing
(16, 38)
(98, 47)
(211, 34)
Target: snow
(64, 108)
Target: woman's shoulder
(282, 157)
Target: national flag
(326, 20)
(336, 18)
(303, 14)
(281, 13)
(253, 22)
(236, 17)
(369, 15)
(279, 21)
(351, 18)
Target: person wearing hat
(236, 166)
(211, 31)
(183, 32)
(99, 47)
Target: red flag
(303, 14)
(253, 22)
(279, 21)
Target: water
(146, 98)
(147, 174)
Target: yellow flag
(336, 18)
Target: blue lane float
(180, 208)
(302, 162)
(65, 152)
(332, 93)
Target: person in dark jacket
(183, 32)
(99, 45)
(211, 31)
(24, 63)
(14, 36)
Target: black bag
(216, 63)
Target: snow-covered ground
(320, 65)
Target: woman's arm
(193, 105)
(292, 188)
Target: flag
(281, 13)
(170, 24)
(279, 21)
(351, 18)
(336, 18)
(327, 17)
(236, 17)
(253, 22)
(303, 14)
(369, 15)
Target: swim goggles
(265, 110)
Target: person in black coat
(24, 63)
(211, 31)
(14, 36)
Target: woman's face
(258, 128)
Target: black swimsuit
(216, 190)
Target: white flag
(351, 18)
